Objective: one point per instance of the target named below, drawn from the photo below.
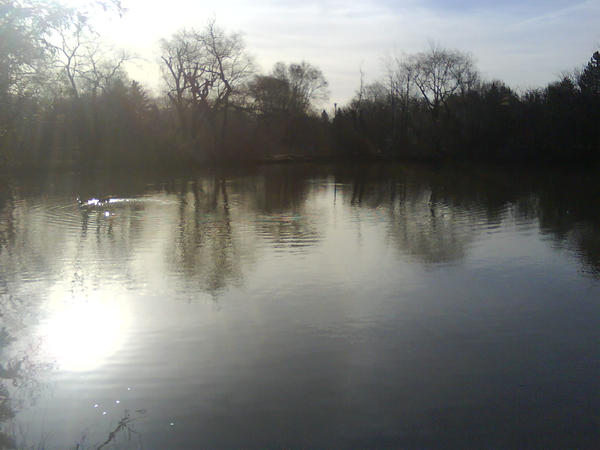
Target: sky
(525, 43)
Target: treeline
(433, 105)
(66, 101)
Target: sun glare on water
(81, 334)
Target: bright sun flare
(82, 334)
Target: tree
(589, 85)
(81, 61)
(306, 85)
(293, 89)
(187, 89)
(226, 60)
(29, 30)
(270, 94)
(41, 42)
(202, 70)
(400, 84)
(589, 79)
(25, 27)
(440, 73)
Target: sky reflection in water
(304, 306)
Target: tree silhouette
(589, 80)
(202, 70)
(306, 85)
(439, 74)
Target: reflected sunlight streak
(81, 334)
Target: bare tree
(100, 69)
(289, 89)
(226, 60)
(307, 85)
(202, 70)
(229, 63)
(82, 60)
(401, 91)
(181, 71)
(438, 74)
(67, 49)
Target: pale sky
(526, 43)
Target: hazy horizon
(525, 45)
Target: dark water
(300, 306)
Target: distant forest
(67, 102)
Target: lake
(301, 306)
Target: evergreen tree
(589, 80)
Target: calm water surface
(301, 306)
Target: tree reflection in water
(436, 212)
(205, 249)
(203, 234)
(220, 220)
(18, 367)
